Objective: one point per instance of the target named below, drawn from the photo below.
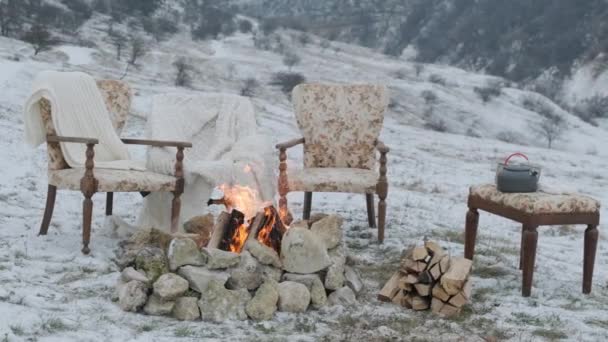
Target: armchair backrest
(117, 97)
(340, 123)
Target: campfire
(245, 218)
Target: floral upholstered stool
(533, 210)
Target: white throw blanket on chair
(226, 150)
(78, 110)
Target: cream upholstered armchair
(340, 125)
(89, 180)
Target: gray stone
(158, 307)
(353, 280)
(247, 275)
(334, 278)
(264, 254)
(219, 304)
(201, 225)
(316, 217)
(153, 262)
(217, 258)
(329, 230)
(318, 297)
(271, 272)
(293, 297)
(117, 288)
(130, 273)
(132, 296)
(170, 286)
(182, 252)
(302, 252)
(186, 309)
(200, 277)
(342, 296)
(300, 224)
(263, 305)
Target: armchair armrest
(157, 143)
(381, 147)
(80, 140)
(290, 144)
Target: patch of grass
(452, 235)
(54, 324)
(264, 329)
(550, 334)
(598, 322)
(183, 332)
(17, 330)
(146, 327)
(525, 319)
(304, 325)
(490, 272)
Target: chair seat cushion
(114, 180)
(537, 202)
(333, 180)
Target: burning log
(429, 278)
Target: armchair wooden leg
(109, 203)
(382, 191)
(87, 216)
(307, 205)
(176, 205)
(470, 233)
(371, 214)
(591, 235)
(283, 188)
(381, 217)
(48, 210)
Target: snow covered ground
(49, 291)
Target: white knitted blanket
(226, 150)
(78, 110)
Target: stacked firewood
(430, 278)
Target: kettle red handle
(515, 154)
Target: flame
(238, 239)
(241, 198)
(264, 232)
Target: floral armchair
(89, 180)
(340, 125)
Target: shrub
(214, 22)
(593, 108)
(269, 26)
(183, 68)
(400, 74)
(429, 97)
(249, 87)
(245, 26)
(304, 38)
(509, 137)
(287, 81)
(40, 37)
(491, 90)
(160, 28)
(291, 59)
(434, 78)
(137, 49)
(432, 122)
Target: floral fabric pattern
(340, 123)
(114, 180)
(348, 180)
(537, 202)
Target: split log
(399, 297)
(420, 303)
(439, 293)
(442, 309)
(454, 279)
(390, 289)
(218, 229)
(419, 253)
(423, 289)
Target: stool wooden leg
(529, 255)
(307, 205)
(591, 235)
(472, 222)
(521, 250)
(371, 215)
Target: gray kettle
(511, 177)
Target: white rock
(247, 275)
(153, 261)
(199, 277)
(186, 309)
(342, 296)
(158, 307)
(293, 297)
(263, 305)
(130, 273)
(318, 297)
(271, 272)
(132, 296)
(353, 280)
(217, 258)
(329, 230)
(264, 254)
(218, 304)
(184, 251)
(302, 252)
(334, 278)
(170, 286)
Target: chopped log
(390, 289)
(411, 279)
(467, 289)
(218, 229)
(442, 309)
(436, 305)
(419, 253)
(409, 265)
(435, 272)
(404, 285)
(439, 293)
(421, 266)
(407, 301)
(427, 259)
(434, 247)
(423, 289)
(444, 264)
(458, 300)
(237, 219)
(425, 277)
(453, 280)
(420, 303)
(399, 297)
(257, 223)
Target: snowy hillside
(49, 291)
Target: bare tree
(119, 41)
(249, 87)
(9, 17)
(40, 37)
(551, 128)
(183, 68)
(137, 49)
(291, 59)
